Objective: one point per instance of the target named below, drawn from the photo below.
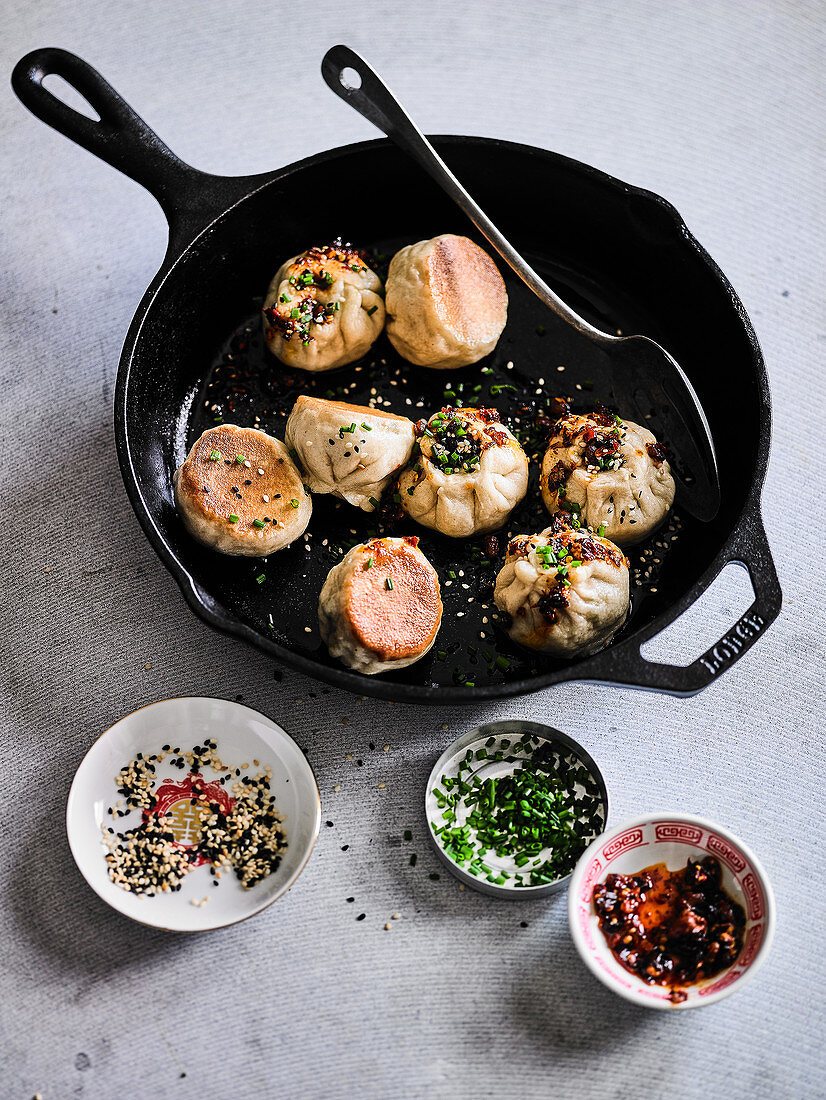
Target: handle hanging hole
(350, 79)
(61, 89)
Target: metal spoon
(650, 377)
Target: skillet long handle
(374, 100)
(189, 198)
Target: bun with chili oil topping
(446, 302)
(351, 451)
(324, 308)
(380, 607)
(610, 472)
(238, 491)
(563, 592)
(467, 474)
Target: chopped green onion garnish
(214, 456)
(233, 519)
(388, 583)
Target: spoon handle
(371, 97)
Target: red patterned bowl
(671, 839)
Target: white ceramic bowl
(670, 838)
(242, 735)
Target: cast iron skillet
(193, 355)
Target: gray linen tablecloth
(715, 106)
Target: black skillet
(621, 256)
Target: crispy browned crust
(396, 623)
(208, 485)
(345, 408)
(468, 291)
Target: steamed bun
(563, 592)
(350, 451)
(323, 309)
(469, 474)
(446, 302)
(380, 607)
(610, 472)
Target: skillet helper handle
(749, 547)
(375, 102)
(120, 137)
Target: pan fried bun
(446, 302)
(380, 607)
(239, 492)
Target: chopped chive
(294, 502)
(214, 456)
(261, 578)
(388, 583)
(258, 523)
(233, 519)
(240, 459)
(367, 427)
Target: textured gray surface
(713, 105)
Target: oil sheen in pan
(537, 359)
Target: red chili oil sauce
(671, 928)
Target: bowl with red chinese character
(671, 911)
(191, 814)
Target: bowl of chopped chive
(192, 814)
(512, 805)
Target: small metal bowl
(515, 731)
